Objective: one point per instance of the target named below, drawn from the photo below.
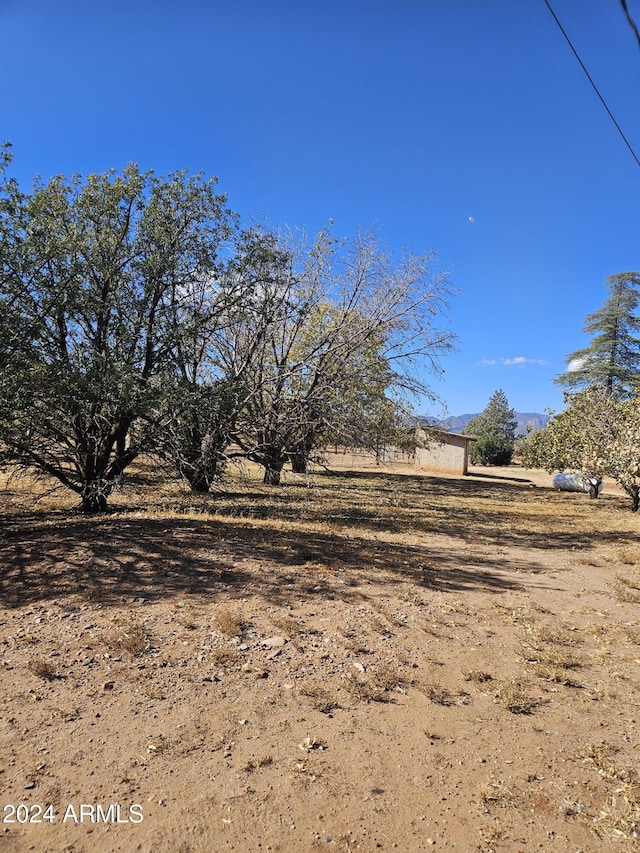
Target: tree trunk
(199, 482)
(299, 462)
(634, 491)
(94, 497)
(201, 461)
(272, 474)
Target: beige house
(444, 453)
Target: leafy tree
(596, 434)
(92, 271)
(202, 400)
(612, 359)
(365, 411)
(494, 429)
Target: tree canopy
(92, 274)
(494, 430)
(137, 317)
(596, 434)
(612, 359)
(330, 334)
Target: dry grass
(497, 793)
(515, 696)
(620, 816)
(157, 745)
(553, 664)
(187, 619)
(548, 650)
(154, 691)
(69, 715)
(627, 588)
(340, 554)
(628, 556)
(380, 626)
(353, 641)
(254, 763)
(631, 634)
(492, 834)
(557, 635)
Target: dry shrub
(43, 668)
(477, 676)
(131, 637)
(224, 656)
(289, 626)
(321, 699)
(376, 684)
(442, 696)
(253, 764)
(230, 622)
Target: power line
(632, 23)
(595, 88)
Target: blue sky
(407, 116)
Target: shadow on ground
(480, 512)
(110, 559)
(240, 551)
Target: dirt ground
(356, 661)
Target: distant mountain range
(457, 423)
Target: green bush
(489, 450)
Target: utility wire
(632, 23)
(595, 88)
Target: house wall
(450, 457)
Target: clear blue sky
(409, 116)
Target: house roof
(444, 433)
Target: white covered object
(578, 483)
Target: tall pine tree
(495, 432)
(612, 359)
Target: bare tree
(330, 326)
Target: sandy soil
(376, 661)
